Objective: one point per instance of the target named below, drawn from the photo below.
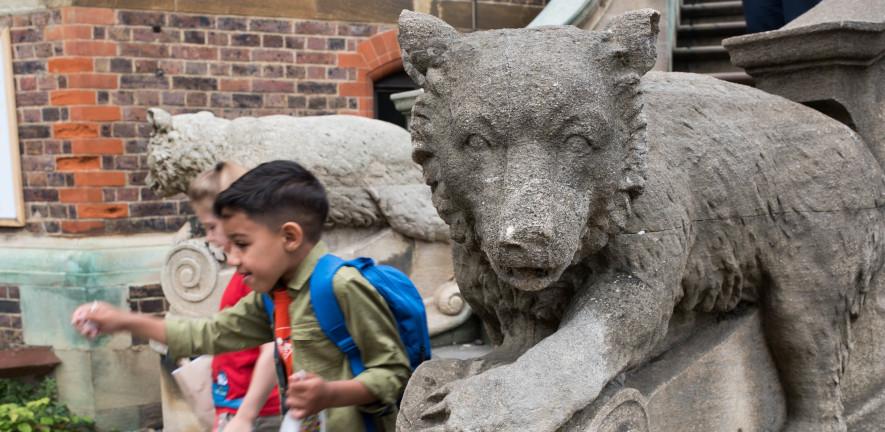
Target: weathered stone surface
(830, 58)
(363, 163)
(590, 202)
(193, 280)
(717, 375)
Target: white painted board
(11, 200)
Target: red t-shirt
(237, 366)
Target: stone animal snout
(526, 243)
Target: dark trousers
(765, 15)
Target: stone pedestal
(713, 376)
(830, 59)
(720, 379)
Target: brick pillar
(85, 100)
(374, 58)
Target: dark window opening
(394, 83)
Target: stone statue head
(532, 140)
(181, 148)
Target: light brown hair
(212, 182)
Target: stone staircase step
(702, 59)
(707, 9)
(711, 12)
(708, 33)
(710, 19)
(708, 52)
(716, 28)
(703, 24)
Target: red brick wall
(10, 317)
(84, 78)
(147, 299)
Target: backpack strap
(268, 307)
(328, 311)
(331, 318)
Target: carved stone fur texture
(589, 200)
(364, 164)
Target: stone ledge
(32, 360)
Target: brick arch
(375, 57)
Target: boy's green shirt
(368, 319)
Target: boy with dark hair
(273, 217)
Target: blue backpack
(397, 290)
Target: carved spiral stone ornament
(190, 274)
(448, 299)
(616, 410)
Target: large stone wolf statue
(589, 201)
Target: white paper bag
(194, 379)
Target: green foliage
(28, 407)
(21, 392)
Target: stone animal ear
(423, 39)
(634, 35)
(160, 120)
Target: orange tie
(282, 327)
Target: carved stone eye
(578, 141)
(476, 142)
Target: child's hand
(97, 318)
(308, 394)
